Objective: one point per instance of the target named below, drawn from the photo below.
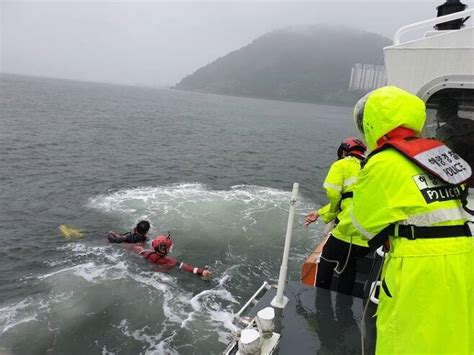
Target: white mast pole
(280, 301)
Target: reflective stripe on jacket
(392, 189)
(425, 306)
(341, 179)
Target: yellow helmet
(386, 108)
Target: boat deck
(319, 321)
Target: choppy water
(215, 171)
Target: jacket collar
(397, 133)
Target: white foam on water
(97, 264)
(181, 308)
(195, 205)
(108, 263)
(106, 352)
(92, 271)
(157, 344)
(65, 270)
(14, 314)
(174, 300)
(228, 274)
(221, 213)
(103, 253)
(225, 320)
(111, 263)
(55, 263)
(20, 321)
(28, 309)
(214, 308)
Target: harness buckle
(412, 233)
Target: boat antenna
(450, 7)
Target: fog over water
(157, 43)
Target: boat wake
(95, 287)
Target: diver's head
(142, 227)
(162, 244)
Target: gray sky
(157, 43)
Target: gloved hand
(206, 275)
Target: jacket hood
(389, 107)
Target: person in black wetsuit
(137, 235)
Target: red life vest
(429, 154)
(168, 262)
(161, 260)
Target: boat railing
(267, 345)
(254, 299)
(280, 300)
(431, 22)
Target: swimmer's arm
(195, 270)
(114, 237)
(136, 248)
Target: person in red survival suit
(162, 245)
(137, 235)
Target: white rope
(337, 262)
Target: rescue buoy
(69, 232)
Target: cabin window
(452, 107)
(450, 118)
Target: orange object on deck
(310, 266)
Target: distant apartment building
(367, 77)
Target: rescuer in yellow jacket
(408, 196)
(345, 246)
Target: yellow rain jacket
(426, 304)
(341, 179)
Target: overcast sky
(157, 43)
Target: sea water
(214, 171)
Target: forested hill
(310, 64)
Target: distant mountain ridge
(308, 64)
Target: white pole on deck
(280, 301)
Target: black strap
(464, 201)
(414, 232)
(347, 195)
(385, 288)
(381, 237)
